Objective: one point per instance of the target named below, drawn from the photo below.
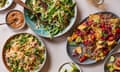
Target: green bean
(58, 13)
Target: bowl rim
(107, 59)
(10, 37)
(61, 66)
(19, 28)
(7, 6)
(65, 30)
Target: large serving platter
(70, 48)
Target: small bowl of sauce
(15, 19)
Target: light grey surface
(57, 48)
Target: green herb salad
(55, 18)
(24, 53)
(2, 3)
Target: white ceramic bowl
(67, 66)
(8, 4)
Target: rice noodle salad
(24, 53)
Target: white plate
(8, 4)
